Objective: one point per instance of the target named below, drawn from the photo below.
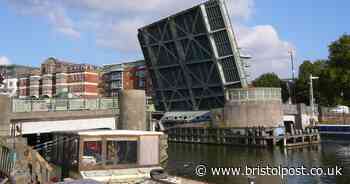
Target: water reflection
(331, 153)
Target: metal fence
(49, 105)
(253, 94)
(7, 160)
(292, 109)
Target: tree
(329, 87)
(337, 76)
(339, 52)
(1, 79)
(272, 80)
(302, 87)
(333, 86)
(267, 80)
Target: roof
(75, 125)
(57, 61)
(118, 132)
(117, 175)
(187, 116)
(87, 181)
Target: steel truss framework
(192, 57)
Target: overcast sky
(105, 31)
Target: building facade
(57, 77)
(130, 75)
(10, 74)
(9, 87)
(112, 79)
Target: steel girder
(192, 57)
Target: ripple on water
(183, 157)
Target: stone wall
(253, 114)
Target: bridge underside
(46, 122)
(192, 57)
(39, 127)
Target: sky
(105, 31)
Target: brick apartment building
(131, 75)
(10, 74)
(57, 77)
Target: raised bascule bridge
(200, 86)
(200, 80)
(192, 57)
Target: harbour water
(183, 159)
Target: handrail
(52, 105)
(253, 94)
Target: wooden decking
(300, 140)
(256, 137)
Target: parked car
(341, 109)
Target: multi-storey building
(131, 75)
(82, 80)
(112, 79)
(10, 74)
(9, 87)
(59, 77)
(34, 83)
(24, 85)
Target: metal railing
(253, 94)
(290, 109)
(7, 160)
(50, 105)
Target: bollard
(251, 179)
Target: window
(141, 74)
(92, 153)
(141, 83)
(116, 76)
(121, 152)
(115, 84)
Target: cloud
(269, 53)
(135, 8)
(114, 24)
(62, 23)
(240, 8)
(4, 60)
(121, 36)
(52, 11)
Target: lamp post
(292, 62)
(293, 74)
(312, 96)
(343, 110)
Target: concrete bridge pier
(132, 110)
(5, 110)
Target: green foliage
(302, 83)
(333, 86)
(334, 76)
(272, 80)
(1, 79)
(339, 52)
(268, 80)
